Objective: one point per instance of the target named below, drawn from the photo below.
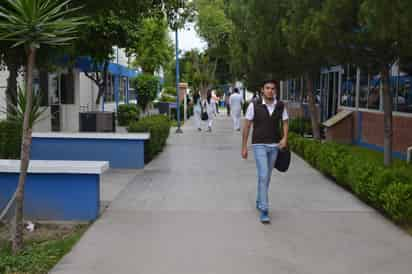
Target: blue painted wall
(119, 153)
(60, 197)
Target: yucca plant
(33, 23)
(15, 115)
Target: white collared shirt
(250, 113)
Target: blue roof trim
(85, 64)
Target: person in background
(197, 110)
(216, 100)
(212, 103)
(210, 107)
(236, 102)
(227, 96)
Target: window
(369, 91)
(67, 88)
(348, 89)
(294, 90)
(122, 89)
(402, 93)
(109, 97)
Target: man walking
(236, 102)
(266, 115)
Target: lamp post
(178, 130)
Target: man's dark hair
(236, 90)
(271, 82)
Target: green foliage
(182, 114)
(386, 189)
(300, 126)
(146, 86)
(397, 201)
(159, 128)
(153, 46)
(37, 257)
(37, 22)
(16, 112)
(170, 91)
(127, 114)
(10, 140)
(167, 98)
(216, 29)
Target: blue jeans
(265, 157)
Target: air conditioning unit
(409, 154)
(97, 121)
(105, 122)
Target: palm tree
(33, 23)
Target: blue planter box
(58, 191)
(120, 150)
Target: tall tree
(33, 23)
(258, 47)
(153, 47)
(375, 33)
(115, 23)
(215, 28)
(305, 47)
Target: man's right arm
(245, 137)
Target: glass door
(54, 100)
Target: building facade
(66, 93)
(351, 89)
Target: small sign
(337, 118)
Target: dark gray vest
(266, 127)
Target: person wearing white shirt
(208, 105)
(236, 102)
(197, 110)
(266, 115)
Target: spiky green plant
(33, 23)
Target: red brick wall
(341, 132)
(372, 130)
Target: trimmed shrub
(170, 91)
(397, 202)
(167, 98)
(300, 126)
(386, 189)
(127, 114)
(159, 128)
(10, 140)
(146, 86)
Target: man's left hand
(283, 143)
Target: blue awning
(85, 64)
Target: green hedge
(159, 128)
(127, 114)
(387, 189)
(300, 126)
(190, 112)
(10, 140)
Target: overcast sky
(188, 39)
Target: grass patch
(376, 156)
(43, 248)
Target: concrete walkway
(192, 211)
